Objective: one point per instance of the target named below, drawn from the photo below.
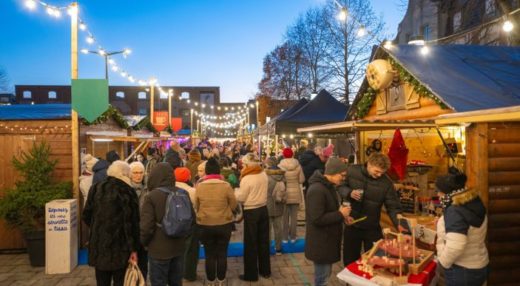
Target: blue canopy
(465, 77)
(34, 112)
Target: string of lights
(115, 67)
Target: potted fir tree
(23, 206)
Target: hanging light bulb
(115, 68)
(102, 52)
(90, 39)
(111, 61)
(362, 31)
(141, 82)
(131, 79)
(507, 26)
(424, 50)
(82, 26)
(388, 45)
(31, 4)
(85, 51)
(124, 74)
(72, 10)
(343, 13)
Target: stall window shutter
(412, 100)
(381, 103)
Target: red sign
(176, 123)
(160, 120)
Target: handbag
(133, 276)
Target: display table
(353, 276)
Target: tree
(349, 50)
(5, 83)
(284, 74)
(310, 36)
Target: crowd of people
(125, 204)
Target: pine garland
(366, 101)
(420, 89)
(111, 112)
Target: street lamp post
(106, 55)
(170, 95)
(258, 128)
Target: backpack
(178, 216)
(280, 192)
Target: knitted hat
(194, 155)
(212, 167)
(271, 162)
(335, 166)
(90, 161)
(327, 151)
(451, 182)
(182, 174)
(112, 156)
(287, 152)
(250, 159)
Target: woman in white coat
(294, 179)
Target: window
(185, 95)
(457, 21)
(426, 32)
(163, 95)
(143, 111)
(27, 94)
(490, 7)
(52, 95)
(120, 94)
(141, 95)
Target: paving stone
(7, 268)
(5, 277)
(70, 281)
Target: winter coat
(324, 222)
(376, 193)
(100, 171)
(112, 213)
(252, 192)
(187, 188)
(214, 201)
(274, 175)
(141, 191)
(461, 232)
(310, 162)
(85, 182)
(229, 176)
(294, 177)
(160, 246)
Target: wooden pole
(74, 114)
(170, 94)
(152, 87)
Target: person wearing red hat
(294, 178)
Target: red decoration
(160, 120)
(398, 154)
(176, 124)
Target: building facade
(469, 22)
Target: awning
(366, 125)
(486, 115)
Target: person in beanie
(324, 219)
(274, 208)
(191, 254)
(165, 253)
(112, 213)
(294, 178)
(194, 160)
(461, 232)
(252, 193)
(214, 201)
(101, 167)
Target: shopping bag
(133, 276)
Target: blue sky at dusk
(180, 42)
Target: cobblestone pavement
(287, 269)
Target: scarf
(251, 170)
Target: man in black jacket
(311, 160)
(324, 219)
(368, 188)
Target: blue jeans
(166, 271)
(461, 276)
(322, 273)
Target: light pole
(191, 125)
(106, 55)
(258, 128)
(170, 95)
(152, 88)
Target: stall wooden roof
(486, 115)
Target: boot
(222, 282)
(210, 282)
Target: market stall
(433, 104)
